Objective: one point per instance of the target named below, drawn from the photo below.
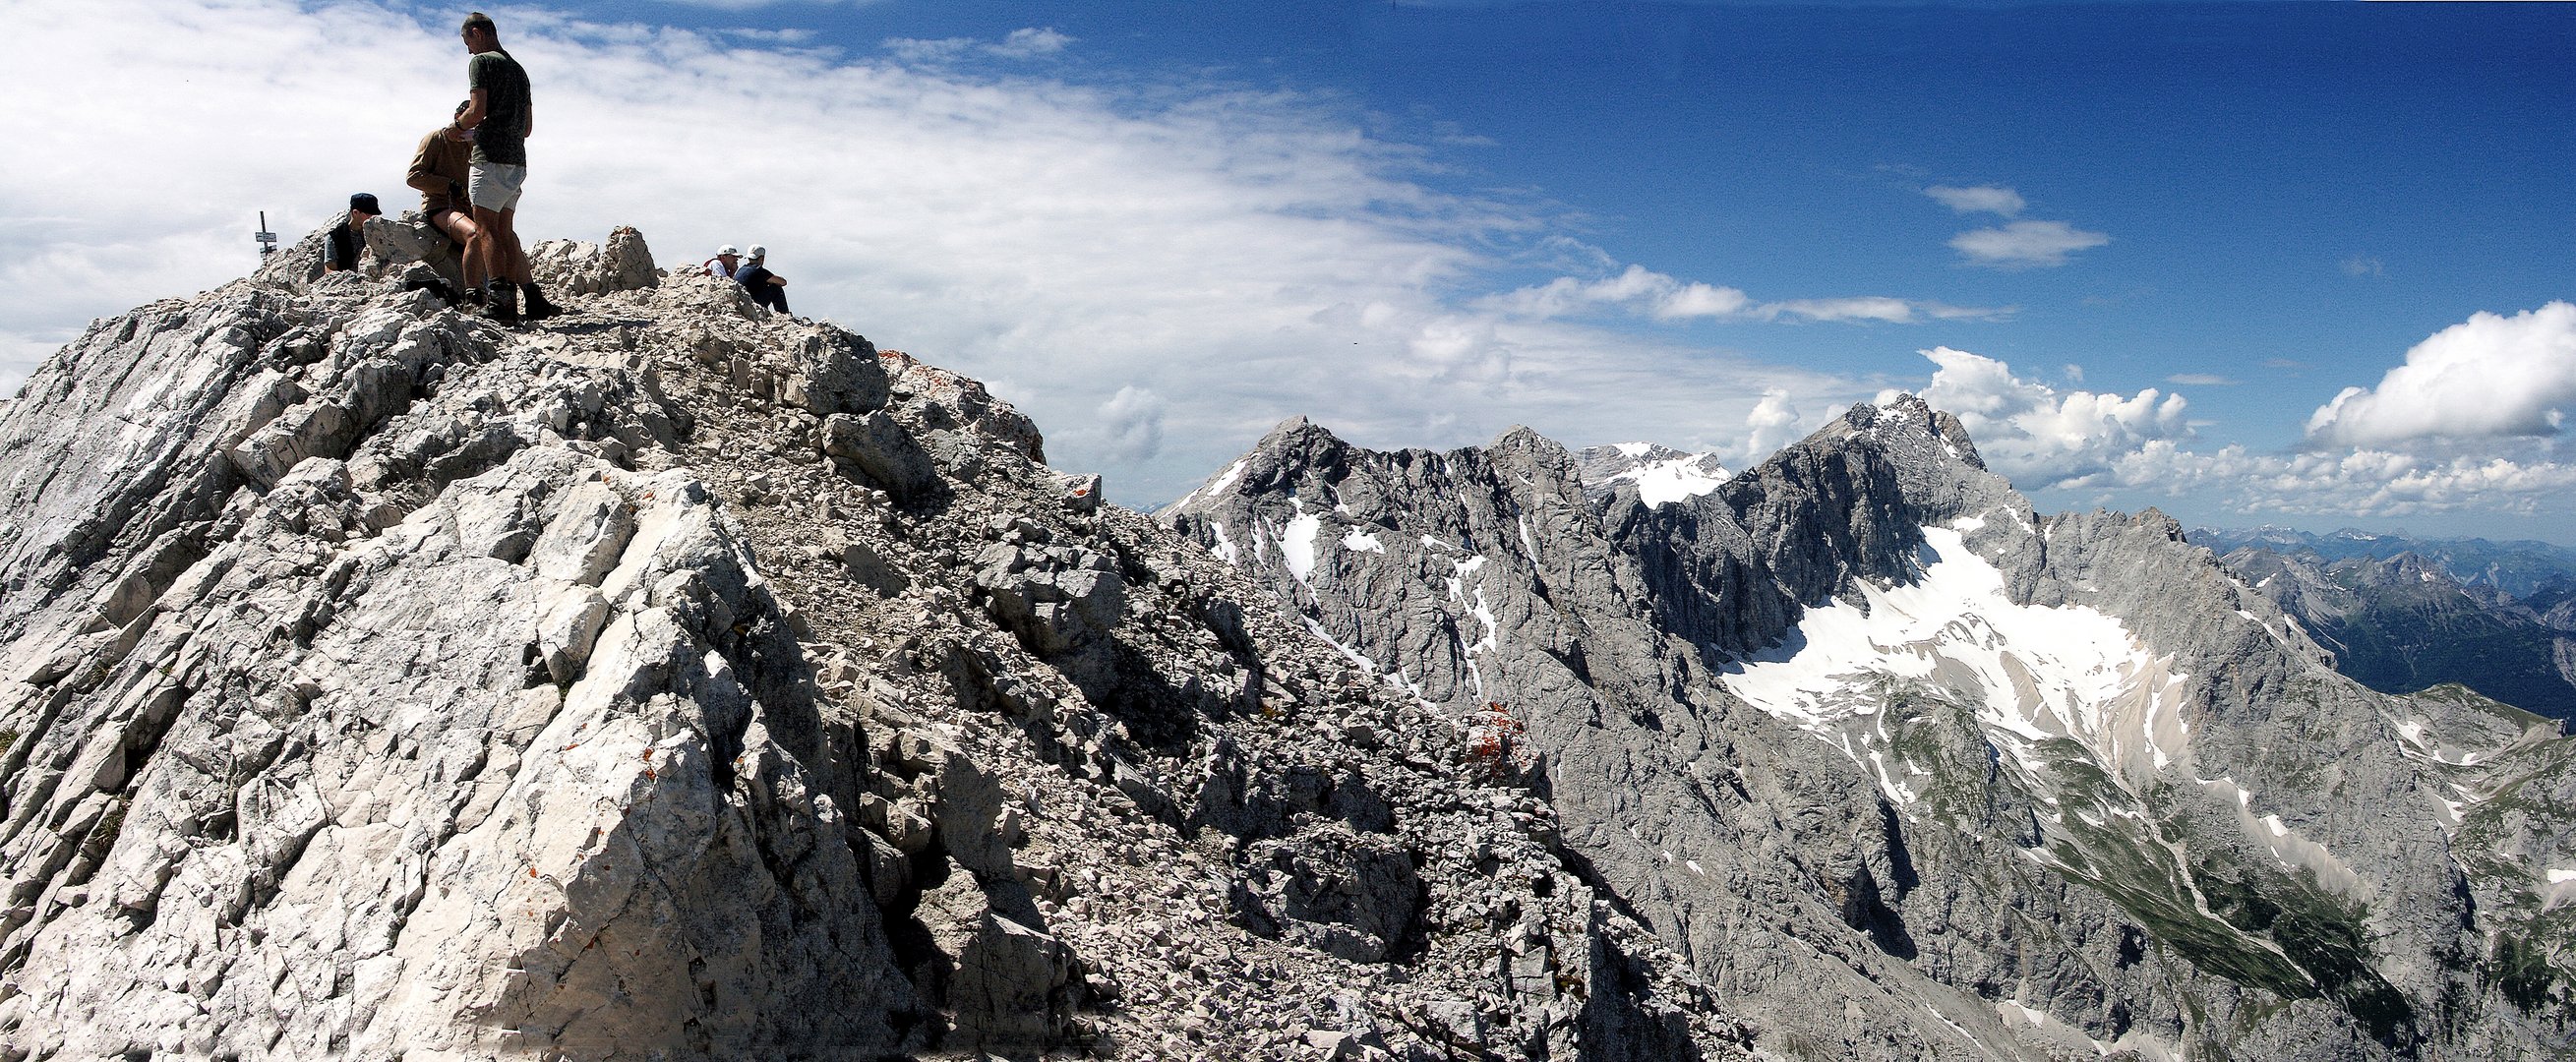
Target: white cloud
(1862, 308)
(1027, 43)
(1024, 43)
(2374, 483)
(2044, 439)
(1131, 424)
(2025, 244)
(1222, 258)
(2363, 266)
(2487, 377)
(1772, 424)
(2040, 436)
(2199, 379)
(1637, 289)
(1983, 199)
(1647, 293)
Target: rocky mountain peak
(1862, 696)
(685, 678)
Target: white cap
(726, 250)
(758, 251)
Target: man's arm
(475, 110)
(424, 176)
(529, 128)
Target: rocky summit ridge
(682, 680)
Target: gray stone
(878, 447)
(570, 267)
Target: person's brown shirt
(438, 169)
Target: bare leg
(490, 260)
(460, 227)
(512, 260)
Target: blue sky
(1161, 227)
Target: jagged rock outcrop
(681, 679)
(1904, 767)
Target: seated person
(767, 288)
(348, 239)
(723, 265)
(438, 170)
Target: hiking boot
(500, 303)
(538, 308)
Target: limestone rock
(571, 267)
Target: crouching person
(439, 170)
(767, 288)
(348, 239)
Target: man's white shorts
(495, 186)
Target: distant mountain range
(2403, 614)
(2520, 568)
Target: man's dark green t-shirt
(502, 137)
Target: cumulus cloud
(2025, 244)
(1131, 425)
(2487, 377)
(2374, 483)
(2040, 436)
(1647, 293)
(2139, 445)
(1223, 258)
(1984, 199)
(1772, 424)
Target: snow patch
(1359, 541)
(2033, 672)
(1297, 547)
(1222, 482)
(1355, 656)
(1661, 483)
(1225, 547)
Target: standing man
(348, 239)
(500, 116)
